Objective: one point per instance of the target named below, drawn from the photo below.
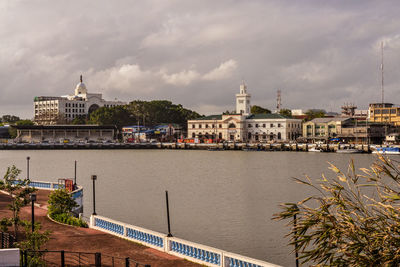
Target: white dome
(80, 88)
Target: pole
(94, 178)
(75, 176)
(27, 167)
(169, 225)
(33, 199)
(295, 240)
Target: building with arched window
(58, 110)
(244, 126)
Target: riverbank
(90, 240)
(214, 146)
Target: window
(279, 125)
(206, 125)
(232, 125)
(220, 135)
(279, 136)
(220, 126)
(200, 126)
(249, 125)
(240, 101)
(263, 125)
(256, 125)
(193, 126)
(271, 125)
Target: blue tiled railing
(145, 237)
(58, 186)
(241, 263)
(77, 194)
(113, 227)
(40, 185)
(197, 253)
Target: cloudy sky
(319, 53)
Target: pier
(213, 146)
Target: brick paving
(71, 238)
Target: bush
(68, 219)
(352, 220)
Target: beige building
(323, 128)
(244, 126)
(384, 113)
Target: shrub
(68, 219)
(353, 220)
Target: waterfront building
(67, 133)
(244, 126)
(385, 113)
(58, 110)
(323, 128)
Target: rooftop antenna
(278, 100)
(382, 81)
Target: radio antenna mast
(382, 80)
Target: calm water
(224, 199)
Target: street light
(33, 199)
(94, 178)
(27, 167)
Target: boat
(349, 150)
(387, 150)
(315, 149)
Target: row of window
(74, 105)
(75, 110)
(206, 126)
(256, 125)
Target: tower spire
(81, 78)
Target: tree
(13, 131)
(19, 192)
(353, 220)
(314, 113)
(286, 112)
(259, 110)
(60, 201)
(10, 118)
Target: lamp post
(27, 167)
(33, 199)
(75, 176)
(94, 178)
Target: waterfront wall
(198, 253)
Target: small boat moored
(387, 150)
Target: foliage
(353, 220)
(9, 118)
(34, 242)
(19, 192)
(4, 224)
(227, 112)
(60, 206)
(60, 201)
(68, 219)
(314, 113)
(79, 120)
(286, 112)
(143, 113)
(13, 131)
(259, 110)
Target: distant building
(58, 110)
(244, 126)
(323, 128)
(73, 133)
(385, 113)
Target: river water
(224, 199)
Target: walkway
(89, 240)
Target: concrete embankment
(219, 146)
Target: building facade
(244, 126)
(323, 128)
(385, 113)
(57, 110)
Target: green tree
(60, 201)
(79, 120)
(13, 131)
(118, 116)
(286, 112)
(352, 220)
(10, 118)
(314, 113)
(259, 110)
(19, 192)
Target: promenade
(71, 238)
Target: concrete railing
(175, 246)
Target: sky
(320, 54)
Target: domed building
(51, 110)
